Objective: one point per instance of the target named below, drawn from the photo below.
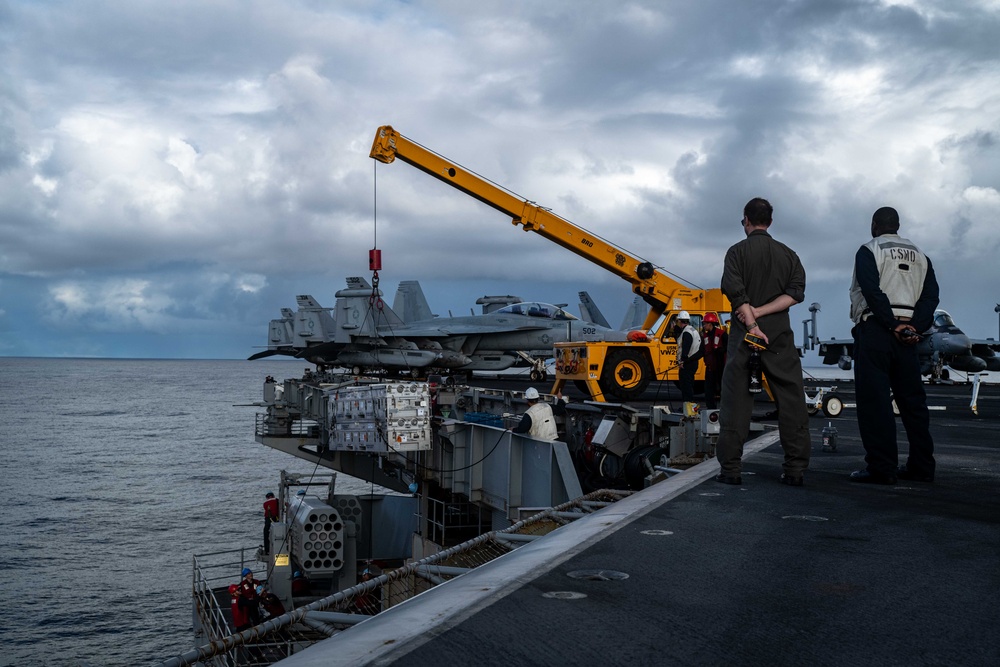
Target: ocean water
(116, 472)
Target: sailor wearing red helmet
(714, 340)
(241, 621)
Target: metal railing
(278, 637)
(446, 519)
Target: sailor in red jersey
(270, 516)
(714, 341)
(249, 596)
(240, 620)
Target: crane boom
(619, 369)
(654, 286)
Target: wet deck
(833, 573)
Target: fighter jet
(361, 332)
(943, 344)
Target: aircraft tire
(832, 405)
(626, 374)
(536, 376)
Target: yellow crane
(606, 370)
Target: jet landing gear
(538, 372)
(827, 400)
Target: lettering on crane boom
(587, 242)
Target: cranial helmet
(710, 317)
(683, 315)
(246, 571)
(531, 394)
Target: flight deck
(692, 572)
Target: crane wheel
(626, 374)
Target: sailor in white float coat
(893, 296)
(539, 419)
(688, 345)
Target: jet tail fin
(590, 312)
(410, 303)
(635, 315)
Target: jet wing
(326, 352)
(456, 330)
(987, 349)
(288, 352)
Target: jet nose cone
(955, 344)
(962, 342)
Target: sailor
(270, 516)
(688, 346)
(893, 296)
(762, 278)
(272, 605)
(240, 620)
(714, 340)
(539, 419)
(300, 584)
(249, 596)
(367, 602)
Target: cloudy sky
(173, 173)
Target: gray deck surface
(833, 573)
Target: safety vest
(712, 345)
(543, 422)
(247, 589)
(239, 614)
(901, 270)
(695, 342)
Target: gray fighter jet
(944, 344)
(361, 332)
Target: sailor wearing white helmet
(539, 419)
(688, 347)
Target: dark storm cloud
(172, 166)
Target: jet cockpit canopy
(943, 319)
(537, 309)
